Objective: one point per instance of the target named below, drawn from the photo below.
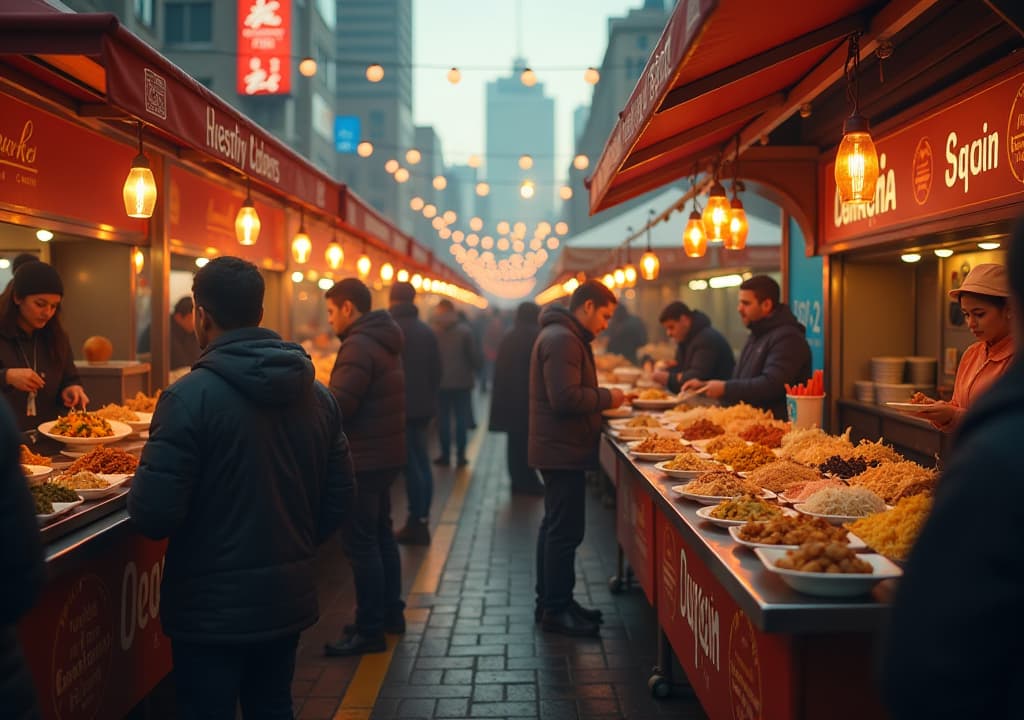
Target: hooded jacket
(421, 360)
(369, 384)
(460, 353)
(703, 354)
(776, 354)
(510, 398)
(246, 470)
(21, 567)
(565, 401)
(954, 637)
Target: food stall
(82, 97)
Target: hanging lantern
(454, 76)
(525, 162)
(363, 265)
(716, 214)
(334, 254)
(403, 275)
(375, 73)
(307, 67)
(413, 156)
(302, 246)
(247, 221)
(695, 242)
(364, 149)
(565, 192)
(139, 190)
(856, 166)
(736, 238)
(527, 189)
(581, 162)
(609, 281)
(619, 276)
(139, 260)
(650, 266)
(528, 77)
(629, 274)
(591, 76)
(387, 273)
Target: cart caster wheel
(659, 686)
(615, 585)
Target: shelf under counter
(916, 439)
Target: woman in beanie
(37, 369)
(983, 298)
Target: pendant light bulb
(334, 255)
(139, 191)
(716, 214)
(247, 222)
(302, 246)
(363, 265)
(739, 226)
(856, 166)
(695, 242)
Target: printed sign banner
(264, 47)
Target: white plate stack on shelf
(921, 374)
(864, 390)
(887, 373)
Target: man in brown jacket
(565, 427)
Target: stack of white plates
(865, 390)
(921, 370)
(893, 392)
(887, 369)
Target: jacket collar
(1001, 350)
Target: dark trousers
(210, 680)
(519, 472)
(561, 532)
(370, 545)
(457, 404)
(419, 479)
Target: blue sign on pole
(347, 133)
(805, 294)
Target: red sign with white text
(965, 156)
(93, 642)
(50, 166)
(264, 47)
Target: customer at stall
(184, 348)
(565, 427)
(984, 301)
(37, 367)
(510, 401)
(956, 629)
(246, 470)
(421, 360)
(460, 362)
(368, 382)
(23, 571)
(626, 334)
(701, 351)
(776, 353)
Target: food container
(893, 392)
(888, 369)
(805, 411)
(864, 390)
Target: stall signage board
(806, 294)
(93, 642)
(53, 167)
(965, 156)
(201, 120)
(201, 221)
(264, 47)
(737, 671)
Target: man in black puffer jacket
(565, 427)
(421, 360)
(246, 471)
(368, 382)
(776, 353)
(701, 351)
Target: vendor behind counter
(37, 369)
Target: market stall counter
(749, 644)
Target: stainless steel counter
(771, 604)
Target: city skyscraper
(368, 32)
(520, 120)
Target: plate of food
(52, 501)
(806, 569)
(655, 403)
(623, 411)
(792, 531)
(142, 423)
(833, 519)
(718, 485)
(741, 510)
(35, 472)
(90, 485)
(631, 433)
(656, 448)
(638, 420)
(687, 466)
(85, 428)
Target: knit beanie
(37, 278)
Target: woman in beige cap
(983, 299)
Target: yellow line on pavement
(362, 692)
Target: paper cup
(805, 411)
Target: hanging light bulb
(139, 187)
(739, 226)
(454, 76)
(695, 242)
(474, 161)
(429, 211)
(591, 76)
(364, 149)
(334, 254)
(716, 214)
(581, 162)
(375, 73)
(416, 281)
(139, 260)
(440, 182)
(619, 276)
(307, 67)
(247, 221)
(363, 265)
(608, 281)
(629, 269)
(302, 246)
(402, 276)
(565, 192)
(413, 156)
(528, 77)
(525, 162)
(387, 273)
(856, 166)
(401, 175)
(416, 203)
(391, 166)
(483, 189)
(527, 189)
(476, 224)
(649, 263)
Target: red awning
(722, 69)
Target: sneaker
(415, 532)
(568, 623)
(356, 644)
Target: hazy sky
(560, 38)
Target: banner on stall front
(264, 47)
(965, 156)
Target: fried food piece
(27, 457)
(745, 507)
(785, 530)
(823, 557)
